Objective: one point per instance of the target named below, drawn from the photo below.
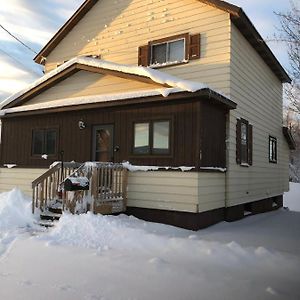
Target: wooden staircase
(107, 192)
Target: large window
(244, 142)
(152, 138)
(44, 141)
(272, 149)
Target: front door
(103, 141)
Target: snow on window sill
(168, 64)
(245, 165)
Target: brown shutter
(143, 56)
(250, 144)
(194, 51)
(238, 141)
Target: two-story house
(165, 83)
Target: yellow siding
(86, 83)
(126, 25)
(182, 191)
(258, 94)
(20, 178)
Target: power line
(17, 39)
(19, 62)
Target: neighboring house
(210, 99)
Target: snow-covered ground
(89, 257)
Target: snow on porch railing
(45, 188)
(107, 191)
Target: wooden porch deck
(105, 191)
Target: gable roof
(90, 64)
(238, 17)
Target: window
(244, 142)
(170, 50)
(152, 138)
(272, 149)
(44, 141)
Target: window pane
(50, 142)
(244, 134)
(176, 51)
(141, 138)
(38, 142)
(161, 134)
(159, 54)
(273, 149)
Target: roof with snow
(169, 85)
(237, 15)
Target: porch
(93, 186)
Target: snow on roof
(155, 75)
(90, 99)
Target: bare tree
(290, 34)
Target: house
(163, 83)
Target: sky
(35, 22)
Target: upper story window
(44, 141)
(272, 149)
(168, 52)
(171, 50)
(244, 142)
(152, 138)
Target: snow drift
(15, 211)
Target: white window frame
(167, 51)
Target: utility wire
(19, 62)
(17, 39)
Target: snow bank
(101, 232)
(15, 211)
(292, 198)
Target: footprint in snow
(94, 297)
(26, 283)
(158, 262)
(65, 288)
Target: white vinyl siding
(258, 93)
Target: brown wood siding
(212, 135)
(185, 117)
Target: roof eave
(64, 30)
(205, 93)
(248, 30)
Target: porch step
(48, 215)
(55, 206)
(46, 223)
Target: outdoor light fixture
(81, 125)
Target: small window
(44, 141)
(272, 149)
(141, 138)
(168, 52)
(152, 138)
(244, 142)
(161, 137)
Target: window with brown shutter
(172, 50)
(143, 59)
(194, 47)
(272, 150)
(244, 143)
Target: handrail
(107, 189)
(46, 186)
